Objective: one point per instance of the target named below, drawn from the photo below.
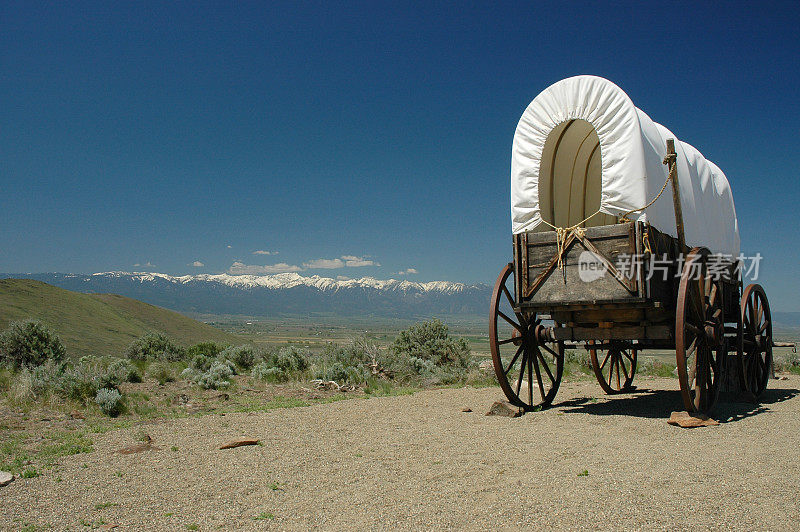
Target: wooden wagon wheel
(755, 352)
(615, 373)
(517, 354)
(699, 333)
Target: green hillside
(99, 324)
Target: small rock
(239, 443)
(466, 410)
(76, 415)
(140, 447)
(6, 478)
(688, 421)
(181, 399)
(504, 408)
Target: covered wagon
(624, 239)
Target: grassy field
(98, 324)
(316, 331)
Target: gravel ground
(419, 462)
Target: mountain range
(281, 294)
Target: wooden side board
(544, 282)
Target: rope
(669, 159)
(563, 233)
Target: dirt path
(418, 462)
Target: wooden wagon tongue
(584, 142)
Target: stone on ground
(689, 421)
(239, 443)
(504, 408)
(6, 478)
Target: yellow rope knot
(563, 233)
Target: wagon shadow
(659, 404)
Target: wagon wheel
(615, 373)
(516, 353)
(755, 352)
(699, 334)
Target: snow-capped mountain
(285, 293)
(291, 280)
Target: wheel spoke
(530, 380)
(539, 377)
(697, 308)
(521, 372)
(510, 321)
(508, 341)
(712, 362)
(546, 368)
(516, 355)
(712, 296)
(691, 349)
(691, 328)
(624, 369)
(550, 350)
(508, 296)
(608, 354)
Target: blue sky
(373, 134)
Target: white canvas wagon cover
(581, 147)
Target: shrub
(790, 362)
(46, 377)
(264, 372)
(21, 387)
(430, 340)
(291, 359)
(207, 349)
(347, 364)
(154, 346)
(280, 366)
(243, 356)
(426, 351)
(422, 366)
(119, 371)
(162, 372)
(200, 363)
(343, 374)
(79, 382)
(29, 344)
(577, 362)
(190, 374)
(217, 376)
(110, 401)
(653, 367)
